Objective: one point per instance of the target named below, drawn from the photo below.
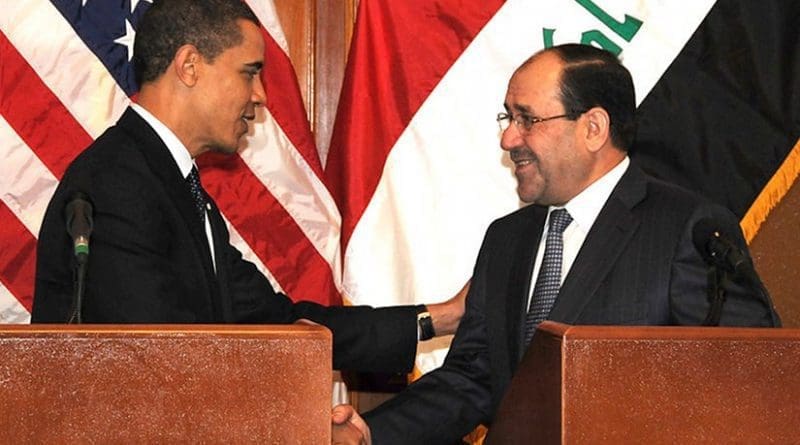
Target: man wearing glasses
(602, 243)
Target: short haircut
(593, 77)
(209, 25)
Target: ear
(186, 64)
(598, 128)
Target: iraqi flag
(65, 76)
(415, 164)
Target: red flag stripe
(36, 114)
(17, 257)
(273, 235)
(389, 75)
(285, 103)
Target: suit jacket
(637, 266)
(150, 261)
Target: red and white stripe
(56, 97)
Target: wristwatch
(424, 324)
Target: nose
(510, 137)
(259, 96)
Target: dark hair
(593, 77)
(209, 25)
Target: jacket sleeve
(365, 339)
(447, 403)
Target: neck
(169, 108)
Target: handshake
(347, 427)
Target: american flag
(65, 76)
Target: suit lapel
(519, 287)
(165, 168)
(613, 228)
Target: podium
(165, 384)
(654, 385)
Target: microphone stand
(79, 288)
(716, 295)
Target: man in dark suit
(602, 243)
(160, 251)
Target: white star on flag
(127, 39)
(134, 4)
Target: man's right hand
(347, 427)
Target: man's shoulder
(119, 146)
(672, 208)
(520, 218)
(660, 193)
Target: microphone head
(78, 215)
(718, 249)
(703, 233)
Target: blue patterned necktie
(549, 280)
(197, 193)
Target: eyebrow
(519, 108)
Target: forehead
(534, 88)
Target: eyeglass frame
(521, 120)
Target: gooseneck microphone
(724, 256)
(78, 215)
(719, 251)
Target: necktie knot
(559, 220)
(197, 193)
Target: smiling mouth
(522, 157)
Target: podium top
(239, 330)
(588, 332)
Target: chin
(526, 196)
(225, 149)
(528, 193)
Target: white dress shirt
(584, 209)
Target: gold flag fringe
(772, 194)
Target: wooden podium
(165, 384)
(653, 385)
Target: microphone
(718, 250)
(78, 213)
(721, 253)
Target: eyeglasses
(524, 122)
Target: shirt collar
(585, 206)
(174, 145)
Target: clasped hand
(347, 427)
